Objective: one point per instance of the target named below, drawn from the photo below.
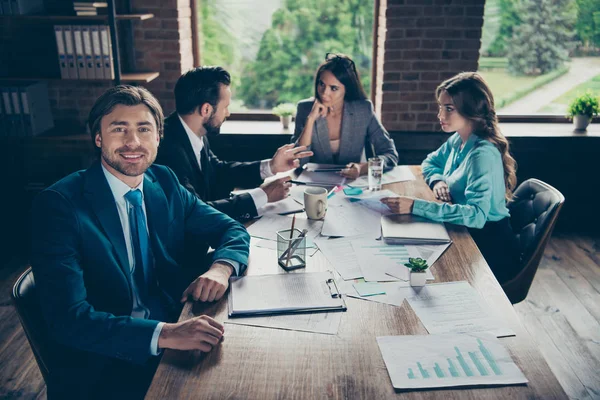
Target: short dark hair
(343, 68)
(128, 96)
(198, 86)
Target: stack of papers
(410, 229)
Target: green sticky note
(365, 289)
(353, 191)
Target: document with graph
(435, 361)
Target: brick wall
(163, 44)
(427, 41)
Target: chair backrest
(533, 213)
(28, 307)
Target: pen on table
(309, 183)
(292, 212)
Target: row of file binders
(25, 109)
(21, 7)
(84, 52)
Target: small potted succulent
(285, 111)
(582, 109)
(417, 267)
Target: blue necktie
(141, 246)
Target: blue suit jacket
(80, 260)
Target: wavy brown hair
(474, 101)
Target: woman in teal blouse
(472, 173)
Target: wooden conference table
(263, 363)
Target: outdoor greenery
(292, 48)
(586, 104)
(541, 42)
(417, 264)
(560, 104)
(588, 22)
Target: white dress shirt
(119, 190)
(258, 195)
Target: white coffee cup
(315, 202)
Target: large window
(537, 55)
(272, 48)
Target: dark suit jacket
(82, 272)
(360, 130)
(216, 179)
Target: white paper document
(381, 262)
(435, 361)
(400, 173)
(455, 307)
(353, 218)
(340, 254)
(395, 292)
(268, 226)
(323, 322)
(286, 205)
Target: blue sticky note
(365, 289)
(352, 191)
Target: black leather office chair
(28, 308)
(534, 210)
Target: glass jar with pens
(291, 249)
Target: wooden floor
(562, 313)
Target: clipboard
(307, 292)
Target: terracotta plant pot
(581, 122)
(418, 278)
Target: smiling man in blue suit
(108, 255)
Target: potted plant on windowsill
(285, 111)
(582, 109)
(417, 267)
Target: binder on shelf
(25, 7)
(284, 294)
(411, 229)
(98, 69)
(70, 52)
(89, 53)
(107, 60)
(79, 53)
(17, 111)
(62, 55)
(8, 112)
(35, 104)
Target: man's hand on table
(211, 285)
(198, 333)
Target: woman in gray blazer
(339, 125)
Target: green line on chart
(424, 372)
(490, 358)
(463, 363)
(478, 364)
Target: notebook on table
(410, 229)
(284, 294)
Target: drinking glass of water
(375, 173)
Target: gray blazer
(360, 130)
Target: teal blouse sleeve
(478, 194)
(433, 166)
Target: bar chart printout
(431, 361)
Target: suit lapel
(99, 195)
(346, 142)
(206, 168)
(158, 219)
(182, 137)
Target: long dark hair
(473, 100)
(344, 70)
